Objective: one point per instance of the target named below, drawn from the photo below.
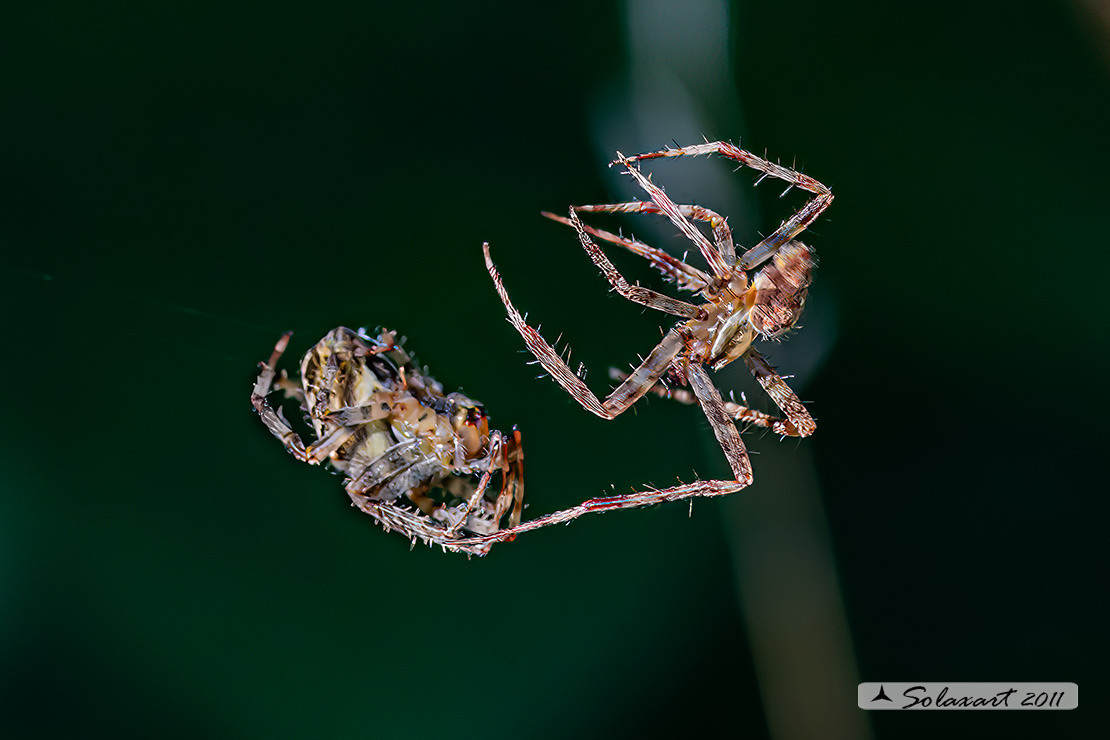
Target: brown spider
(739, 308)
(347, 376)
(411, 453)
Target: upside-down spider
(416, 459)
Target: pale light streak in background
(1094, 18)
(681, 87)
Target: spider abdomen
(778, 291)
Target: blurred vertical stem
(681, 86)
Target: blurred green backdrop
(180, 183)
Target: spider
(411, 454)
(758, 294)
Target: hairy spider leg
(721, 267)
(494, 461)
(787, 230)
(709, 398)
(722, 234)
(634, 293)
(798, 421)
(627, 393)
(273, 420)
(513, 461)
(420, 527)
(510, 459)
(355, 415)
(601, 505)
(785, 398)
(740, 413)
(321, 449)
(686, 277)
(372, 476)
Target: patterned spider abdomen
(779, 290)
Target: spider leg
(513, 464)
(742, 414)
(722, 234)
(414, 526)
(496, 450)
(386, 342)
(602, 505)
(634, 293)
(506, 455)
(718, 262)
(627, 393)
(273, 420)
(709, 398)
(383, 468)
(799, 419)
(788, 229)
(332, 441)
(686, 277)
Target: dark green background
(181, 183)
